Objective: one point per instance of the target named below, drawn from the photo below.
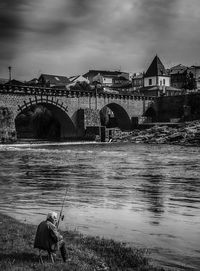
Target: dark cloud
(158, 12)
(80, 7)
(10, 18)
(100, 33)
(50, 22)
(152, 26)
(11, 27)
(156, 18)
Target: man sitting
(48, 238)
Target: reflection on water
(144, 194)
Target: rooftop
(54, 79)
(103, 72)
(156, 68)
(178, 69)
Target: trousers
(60, 245)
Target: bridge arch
(150, 113)
(66, 126)
(121, 117)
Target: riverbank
(86, 253)
(187, 134)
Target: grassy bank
(86, 253)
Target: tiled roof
(73, 78)
(33, 81)
(15, 82)
(3, 81)
(54, 79)
(138, 76)
(102, 72)
(156, 68)
(178, 69)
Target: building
(157, 81)
(3, 81)
(14, 82)
(156, 74)
(49, 80)
(78, 78)
(187, 78)
(179, 76)
(137, 81)
(32, 82)
(106, 78)
(195, 71)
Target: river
(146, 195)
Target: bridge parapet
(35, 90)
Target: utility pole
(9, 69)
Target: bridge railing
(36, 90)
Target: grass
(86, 253)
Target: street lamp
(9, 69)
(95, 83)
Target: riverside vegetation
(85, 252)
(187, 134)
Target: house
(78, 78)
(49, 80)
(32, 82)
(120, 80)
(195, 71)
(179, 76)
(157, 81)
(3, 81)
(187, 78)
(137, 81)
(156, 74)
(14, 82)
(105, 78)
(78, 82)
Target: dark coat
(47, 236)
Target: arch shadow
(151, 114)
(64, 123)
(121, 117)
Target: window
(163, 81)
(150, 82)
(160, 82)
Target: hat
(52, 215)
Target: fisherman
(48, 238)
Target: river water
(146, 195)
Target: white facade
(157, 81)
(107, 81)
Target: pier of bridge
(75, 110)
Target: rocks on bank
(187, 133)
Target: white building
(156, 75)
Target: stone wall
(7, 126)
(183, 107)
(91, 117)
(170, 107)
(193, 105)
(75, 110)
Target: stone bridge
(75, 110)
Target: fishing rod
(61, 216)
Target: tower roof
(156, 68)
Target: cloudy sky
(69, 37)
